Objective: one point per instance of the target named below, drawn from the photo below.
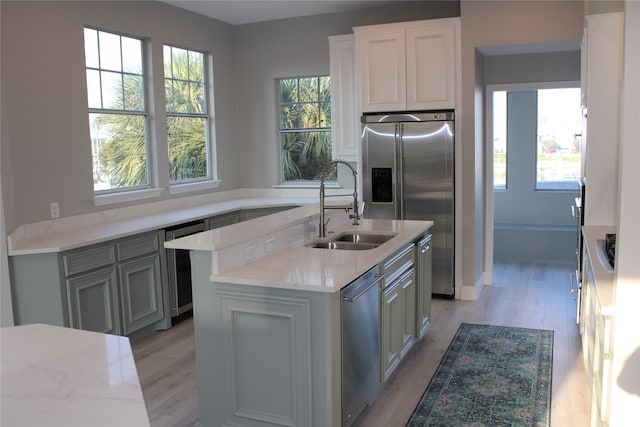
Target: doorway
(532, 170)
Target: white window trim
(126, 196)
(189, 187)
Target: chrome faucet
(356, 215)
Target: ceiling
(239, 12)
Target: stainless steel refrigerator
(408, 173)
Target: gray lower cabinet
(140, 292)
(397, 309)
(391, 319)
(423, 283)
(116, 287)
(223, 220)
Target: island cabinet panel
(267, 347)
(265, 356)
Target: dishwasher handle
(353, 298)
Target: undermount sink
(352, 241)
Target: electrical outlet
(250, 253)
(54, 210)
(269, 245)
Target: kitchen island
(267, 315)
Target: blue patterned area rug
(490, 376)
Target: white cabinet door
(430, 67)
(382, 68)
(344, 109)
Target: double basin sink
(352, 241)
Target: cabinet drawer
(139, 245)
(397, 264)
(88, 259)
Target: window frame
(210, 180)
(301, 183)
(143, 191)
(512, 87)
(567, 187)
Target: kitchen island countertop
(67, 377)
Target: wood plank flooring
(523, 295)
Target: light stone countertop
(240, 255)
(68, 377)
(66, 233)
(298, 267)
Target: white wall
(625, 389)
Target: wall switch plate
(250, 253)
(54, 210)
(270, 245)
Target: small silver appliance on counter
(408, 173)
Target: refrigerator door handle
(399, 173)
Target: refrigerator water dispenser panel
(381, 185)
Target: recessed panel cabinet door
(431, 67)
(382, 69)
(392, 323)
(141, 292)
(93, 302)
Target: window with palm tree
(117, 110)
(305, 128)
(187, 119)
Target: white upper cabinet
(344, 111)
(408, 66)
(381, 64)
(602, 53)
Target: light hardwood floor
(523, 295)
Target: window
(499, 140)
(558, 152)
(117, 110)
(187, 119)
(305, 128)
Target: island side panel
(268, 357)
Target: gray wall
(542, 219)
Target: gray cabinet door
(391, 320)
(92, 302)
(141, 292)
(423, 282)
(408, 295)
(223, 220)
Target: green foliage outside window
(305, 128)
(186, 106)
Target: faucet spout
(356, 213)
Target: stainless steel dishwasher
(360, 311)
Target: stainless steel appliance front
(360, 313)
(408, 173)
